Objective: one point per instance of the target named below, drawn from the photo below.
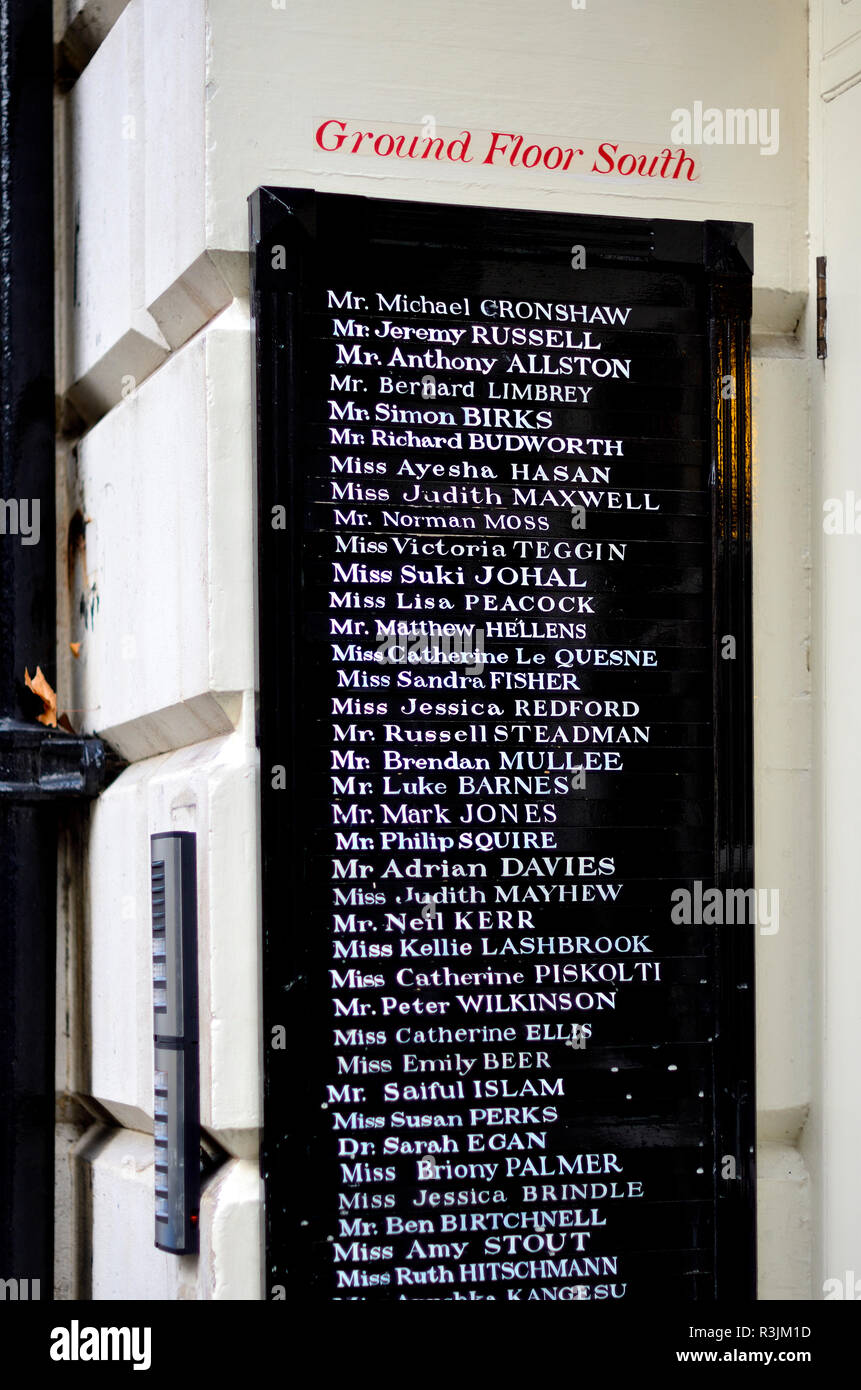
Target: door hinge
(821, 307)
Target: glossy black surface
(662, 1092)
(27, 638)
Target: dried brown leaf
(46, 694)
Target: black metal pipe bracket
(39, 764)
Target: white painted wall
(180, 112)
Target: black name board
(505, 732)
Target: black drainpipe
(39, 766)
